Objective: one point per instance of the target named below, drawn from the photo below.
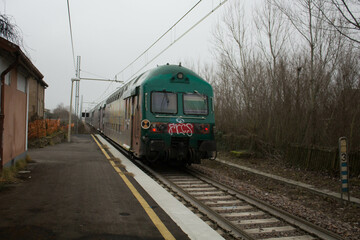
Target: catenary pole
(77, 94)
(71, 96)
(70, 112)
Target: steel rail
(217, 218)
(292, 219)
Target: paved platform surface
(72, 192)
(289, 181)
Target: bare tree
(343, 16)
(9, 30)
(288, 85)
(273, 36)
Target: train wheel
(152, 157)
(212, 155)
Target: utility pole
(70, 112)
(77, 92)
(77, 81)
(81, 106)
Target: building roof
(15, 50)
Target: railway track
(241, 216)
(238, 215)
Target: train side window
(133, 105)
(126, 103)
(212, 104)
(146, 101)
(129, 106)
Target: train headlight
(180, 75)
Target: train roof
(170, 69)
(150, 76)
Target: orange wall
(15, 120)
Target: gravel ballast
(327, 212)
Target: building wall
(36, 99)
(32, 98)
(40, 99)
(14, 142)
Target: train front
(178, 116)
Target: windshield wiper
(166, 98)
(199, 94)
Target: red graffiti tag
(181, 128)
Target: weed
(20, 165)
(28, 159)
(120, 165)
(114, 159)
(8, 175)
(129, 174)
(105, 146)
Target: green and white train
(165, 114)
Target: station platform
(73, 191)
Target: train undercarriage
(179, 152)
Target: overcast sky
(108, 35)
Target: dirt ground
(332, 214)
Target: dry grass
(121, 165)
(114, 159)
(29, 160)
(129, 174)
(9, 175)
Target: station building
(22, 93)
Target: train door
(135, 123)
(126, 134)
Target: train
(165, 114)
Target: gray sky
(108, 35)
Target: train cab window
(195, 103)
(164, 102)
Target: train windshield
(195, 103)
(164, 102)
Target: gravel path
(343, 219)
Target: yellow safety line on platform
(150, 212)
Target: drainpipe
(2, 113)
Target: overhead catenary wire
(145, 52)
(102, 98)
(142, 54)
(96, 75)
(191, 28)
(71, 35)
